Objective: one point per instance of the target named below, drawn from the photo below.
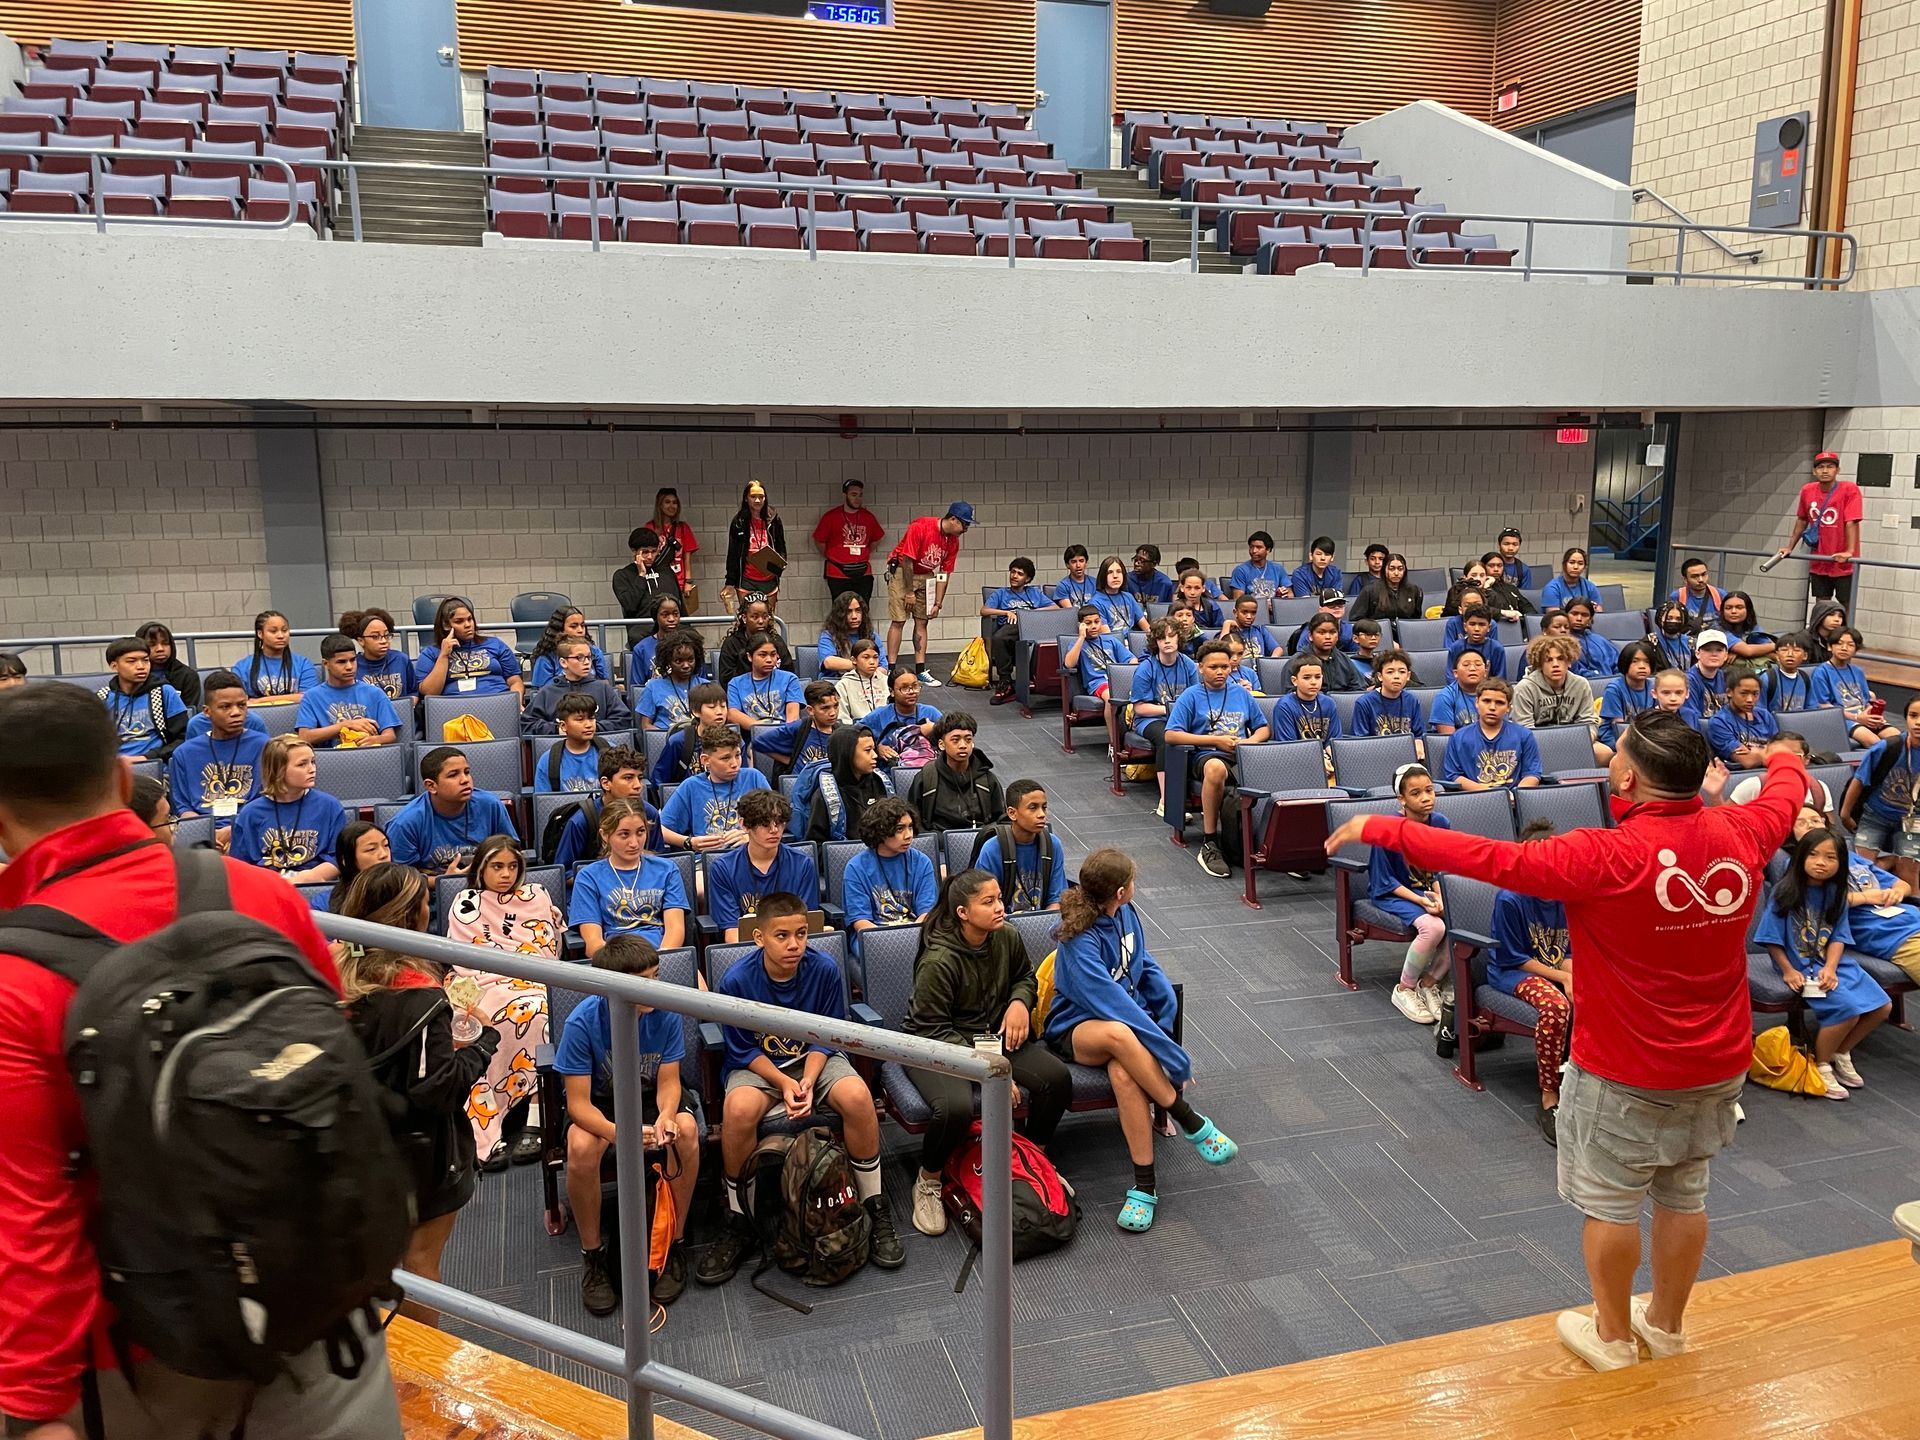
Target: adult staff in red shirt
(847, 535)
(77, 848)
(1657, 912)
(1831, 508)
(923, 559)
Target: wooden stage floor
(1821, 1349)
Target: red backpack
(1045, 1210)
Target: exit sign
(1507, 99)
(1571, 435)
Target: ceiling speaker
(1239, 7)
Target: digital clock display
(849, 14)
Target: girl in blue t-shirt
(1745, 639)
(380, 664)
(566, 623)
(1843, 684)
(1629, 692)
(273, 669)
(1883, 796)
(629, 892)
(1571, 583)
(1599, 656)
(766, 694)
(462, 661)
(1884, 925)
(644, 662)
(1805, 927)
(290, 826)
(667, 700)
(847, 622)
(1674, 635)
(1119, 609)
(1412, 897)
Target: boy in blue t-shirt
(441, 827)
(1787, 688)
(1034, 887)
(148, 713)
(573, 764)
(1740, 729)
(704, 811)
(217, 772)
(1003, 607)
(1707, 677)
(343, 703)
(1840, 682)
(584, 1061)
(1306, 714)
(763, 866)
(768, 1074)
(1076, 587)
(1319, 574)
(1515, 569)
(1476, 633)
(1208, 613)
(1146, 583)
(1094, 652)
(1215, 718)
(889, 882)
(1259, 576)
(1244, 622)
(803, 741)
(1494, 753)
(1457, 705)
(1882, 791)
(622, 777)
(1389, 709)
(680, 757)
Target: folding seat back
(566, 104)
(1114, 230)
(53, 182)
(90, 49)
(333, 92)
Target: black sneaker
(1214, 861)
(526, 1149)
(724, 1255)
(673, 1279)
(1549, 1127)
(596, 1283)
(886, 1251)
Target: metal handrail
(98, 214)
(1750, 257)
(190, 639)
(1679, 274)
(601, 184)
(643, 1376)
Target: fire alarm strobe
(1779, 172)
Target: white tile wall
(1887, 602)
(101, 531)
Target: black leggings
(1838, 588)
(1154, 732)
(1000, 652)
(1042, 1078)
(863, 587)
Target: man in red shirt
(1657, 912)
(77, 848)
(1831, 508)
(923, 558)
(846, 535)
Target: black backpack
(1010, 860)
(553, 761)
(251, 1200)
(557, 823)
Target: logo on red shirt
(1720, 902)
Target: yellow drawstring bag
(465, 730)
(1779, 1065)
(1044, 999)
(970, 670)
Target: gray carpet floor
(1375, 1199)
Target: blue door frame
(1074, 74)
(408, 59)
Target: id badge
(854, 552)
(1911, 825)
(225, 809)
(466, 686)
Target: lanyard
(284, 684)
(126, 709)
(223, 770)
(299, 813)
(765, 697)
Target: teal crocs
(1214, 1147)
(1137, 1214)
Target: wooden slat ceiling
(1564, 56)
(322, 25)
(1336, 61)
(974, 49)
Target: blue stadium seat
(531, 610)
(499, 713)
(360, 777)
(1367, 762)
(1352, 925)
(1487, 1010)
(1575, 806)
(1283, 813)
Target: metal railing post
(1679, 257)
(93, 188)
(1193, 240)
(1526, 262)
(996, 1254)
(631, 1170)
(353, 197)
(593, 210)
(1013, 233)
(813, 224)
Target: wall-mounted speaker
(1239, 7)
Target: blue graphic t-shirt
(628, 901)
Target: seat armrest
(867, 1015)
(710, 1036)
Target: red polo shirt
(50, 1306)
(1657, 914)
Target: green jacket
(959, 993)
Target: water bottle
(1445, 1041)
(1771, 561)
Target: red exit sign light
(1507, 99)
(1572, 435)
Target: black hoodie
(944, 799)
(1821, 651)
(857, 792)
(733, 652)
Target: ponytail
(943, 921)
(1104, 875)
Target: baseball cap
(1826, 456)
(1332, 597)
(1709, 637)
(960, 510)
(846, 485)
(1510, 531)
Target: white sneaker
(1739, 1113)
(1435, 999)
(1664, 1344)
(1160, 809)
(1579, 1334)
(1843, 1067)
(927, 678)
(1408, 1002)
(1835, 1090)
(929, 1215)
